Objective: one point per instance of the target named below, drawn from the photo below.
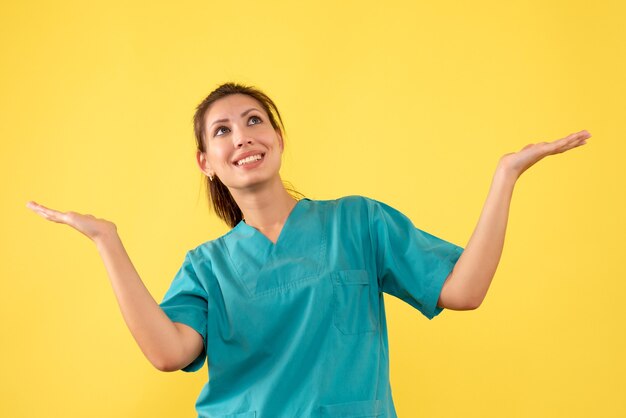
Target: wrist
(506, 174)
(106, 237)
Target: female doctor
(287, 306)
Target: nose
(241, 139)
(240, 143)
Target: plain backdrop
(407, 102)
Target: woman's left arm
(467, 285)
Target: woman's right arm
(168, 345)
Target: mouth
(252, 159)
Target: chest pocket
(354, 302)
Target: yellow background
(411, 103)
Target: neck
(266, 208)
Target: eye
(219, 129)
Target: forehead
(231, 107)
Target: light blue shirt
(297, 329)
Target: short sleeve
(186, 302)
(412, 264)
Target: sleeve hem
(447, 265)
(200, 328)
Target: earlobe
(203, 164)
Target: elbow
(460, 304)
(164, 368)
(165, 365)
(456, 298)
(473, 304)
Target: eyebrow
(242, 115)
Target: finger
(581, 140)
(572, 140)
(47, 213)
(576, 136)
(585, 133)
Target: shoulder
(351, 209)
(372, 211)
(364, 204)
(203, 255)
(349, 202)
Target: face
(238, 132)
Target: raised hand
(88, 225)
(167, 345)
(518, 162)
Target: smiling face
(242, 147)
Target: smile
(249, 160)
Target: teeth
(249, 159)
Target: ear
(203, 164)
(280, 140)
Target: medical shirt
(297, 328)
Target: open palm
(88, 225)
(520, 161)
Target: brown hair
(217, 193)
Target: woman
(287, 306)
